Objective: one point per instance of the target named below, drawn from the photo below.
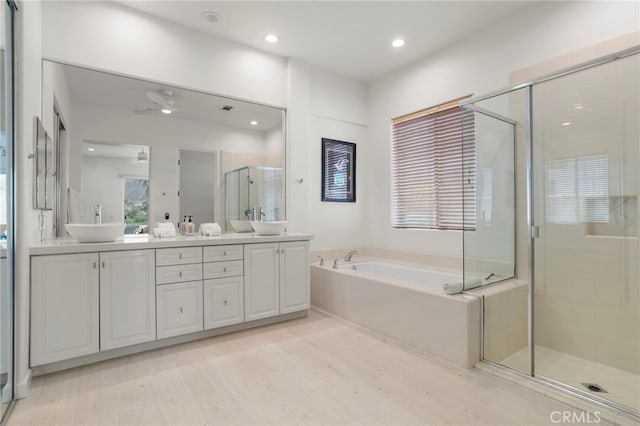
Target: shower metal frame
(533, 230)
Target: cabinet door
(64, 307)
(179, 308)
(261, 283)
(294, 276)
(127, 298)
(223, 302)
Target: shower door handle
(535, 231)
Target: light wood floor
(315, 370)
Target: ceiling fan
(160, 102)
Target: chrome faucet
(321, 261)
(335, 264)
(348, 256)
(261, 214)
(98, 214)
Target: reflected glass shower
(247, 189)
(557, 165)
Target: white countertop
(139, 242)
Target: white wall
(475, 65)
(165, 135)
(28, 51)
(109, 36)
(324, 105)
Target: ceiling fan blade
(158, 99)
(145, 110)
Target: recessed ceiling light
(397, 42)
(211, 17)
(566, 123)
(271, 38)
(166, 111)
(254, 123)
(90, 149)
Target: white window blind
(434, 173)
(577, 190)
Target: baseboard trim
(22, 387)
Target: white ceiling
(352, 38)
(113, 91)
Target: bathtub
(405, 303)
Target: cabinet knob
(180, 309)
(225, 303)
(224, 269)
(282, 251)
(95, 265)
(104, 264)
(180, 256)
(180, 273)
(224, 253)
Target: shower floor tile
(622, 386)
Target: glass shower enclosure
(249, 190)
(556, 207)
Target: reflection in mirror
(116, 178)
(221, 134)
(41, 178)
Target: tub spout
(348, 256)
(335, 264)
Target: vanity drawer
(233, 268)
(178, 273)
(223, 302)
(179, 308)
(221, 253)
(178, 256)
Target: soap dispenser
(189, 227)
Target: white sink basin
(95, 233)
(269, 228)
(241, 225)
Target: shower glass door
(586, 184)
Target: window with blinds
(434, 170)
(577, 190)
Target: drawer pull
(180, 309)
(282, 251)
(225, 303)
(180, 256)
(224, 269)
(224, 253)
(104, 265)
(180, 273)
(95, 265)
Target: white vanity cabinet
(127, 298)
(223, 285)
(95, 302)
(178, 291)
(294, 277)
(276, 279)
(64, 307)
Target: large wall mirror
(117, 140)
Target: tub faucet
(348, 256)
(335, 264)
(98, 214)
(321, 261)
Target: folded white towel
(453, 288)
(166, 226)
(209, 229)
(164, 230)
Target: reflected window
(578, 190)
(136, 203)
